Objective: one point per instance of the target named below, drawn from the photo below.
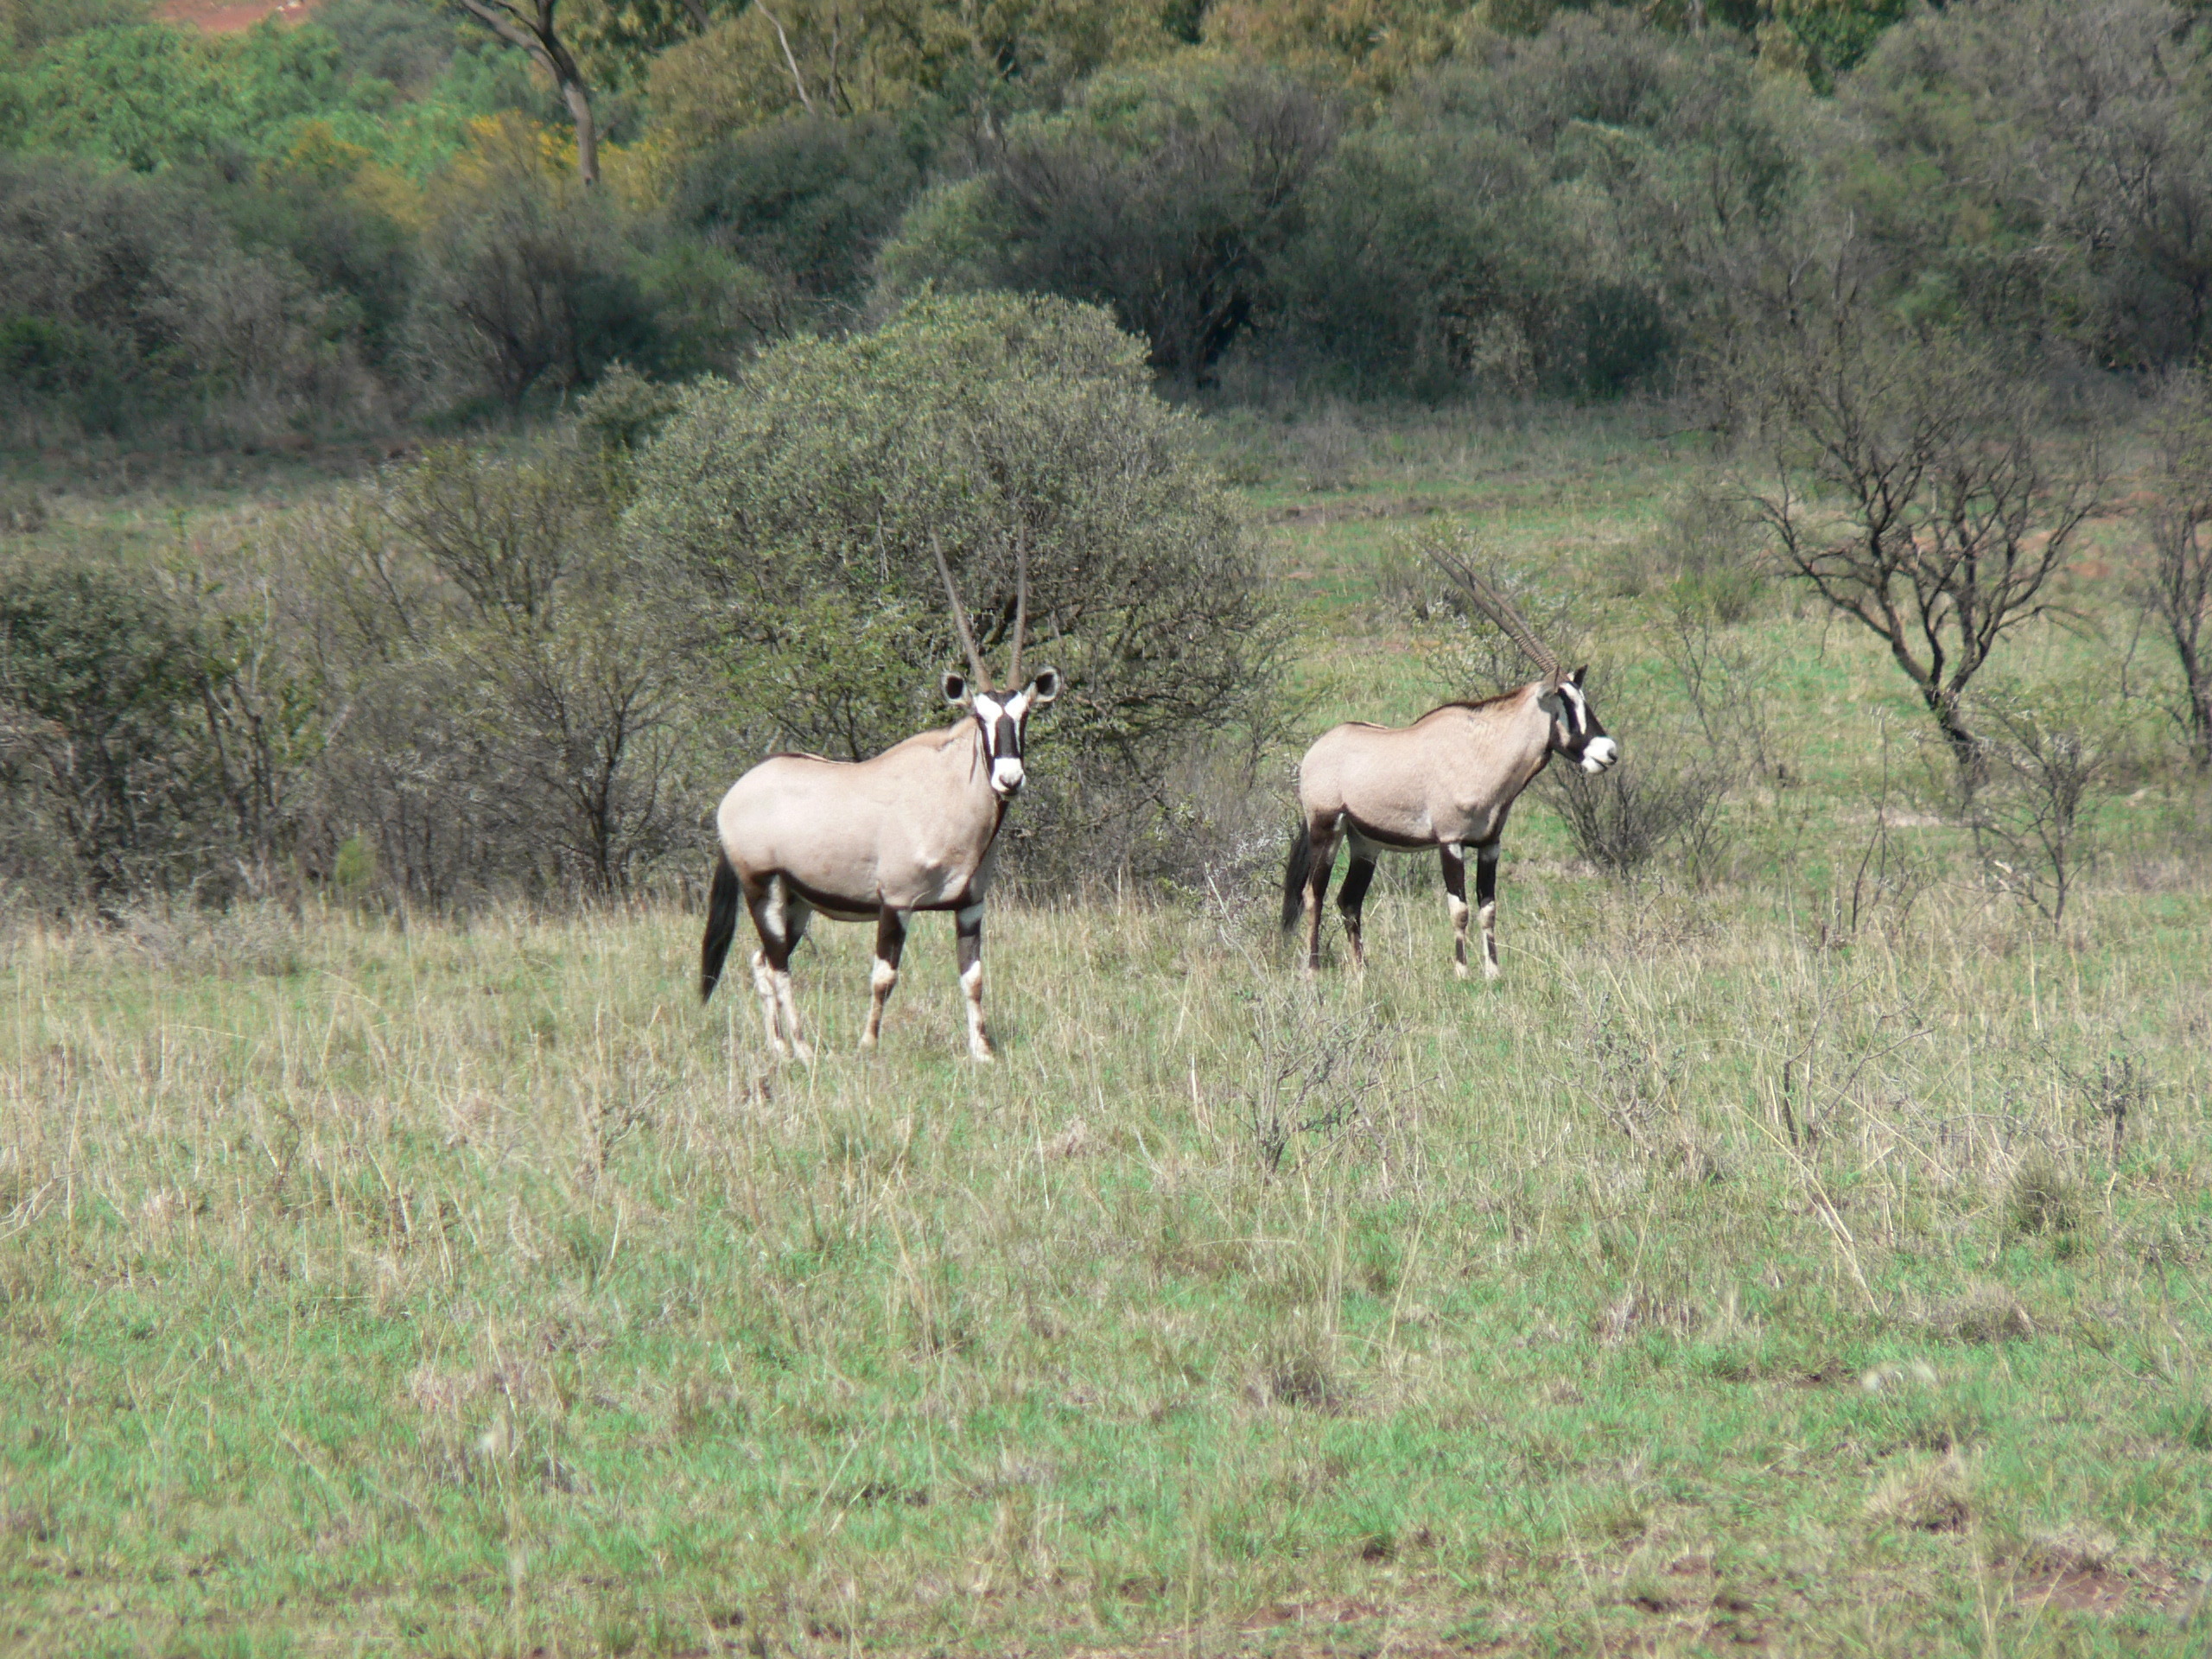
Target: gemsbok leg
(779, 918)
(1359, 870)
(890, 941)
(1487, 905)
(970, 922)
(1324, 855)
(1455, 902)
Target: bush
(147, 95)
(800, 506)
(520, 714)
(1623, 818)
(2045, 766)
(2043, 170)
(124, 303)
(1557, 210)
(1166, 194)
(529, 279)
(1425, 252)
(807, 201)
(98, 684)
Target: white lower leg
(879, 984)
(971, 987)
(1458, 906)
(789, 1004)
(1490, 941)
(763, 987)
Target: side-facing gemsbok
(1446, 781)
(911, 829)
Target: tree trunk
(1966, 748)
(2199, 709)
(535, 32)
(579, 102)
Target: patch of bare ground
(2065, 1576)
(231, 17)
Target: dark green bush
(106, 789)
(2042, 171)
(1167, 194)
(126, 303)
(808, 199)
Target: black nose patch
(1006, 742)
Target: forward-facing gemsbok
(911, 829)
(1446, 781)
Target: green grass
(1721, 1279)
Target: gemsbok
(1447, 781)
(911, 829)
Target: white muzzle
(1601, 753)
(1006, 775)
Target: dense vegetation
(378, 217)
(704, 376)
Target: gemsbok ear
(1045, 687)
(1575, 678)
(956, 689)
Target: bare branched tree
(529, 26)
(2176, 593)
(1911, 481)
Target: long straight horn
(982, 676)
(1020, 604)
(1500, 610)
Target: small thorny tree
(2045, 764)
(1908, 479)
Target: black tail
(721, 928)
(1293, 879)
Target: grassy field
(1738, 1273)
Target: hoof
(1490, 970)
(1460, 971)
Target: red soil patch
(231, 17)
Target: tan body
(1447, 781)
(912, 828)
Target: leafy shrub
(1421, 246)
(528, 278)
(145, 95)
(98, 678)
(807, 200)
(2043, 170)
(1554, 210)
(121, 298)
(407, 46)
(1166, 195)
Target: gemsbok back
(1447, 781)
(912, 828)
